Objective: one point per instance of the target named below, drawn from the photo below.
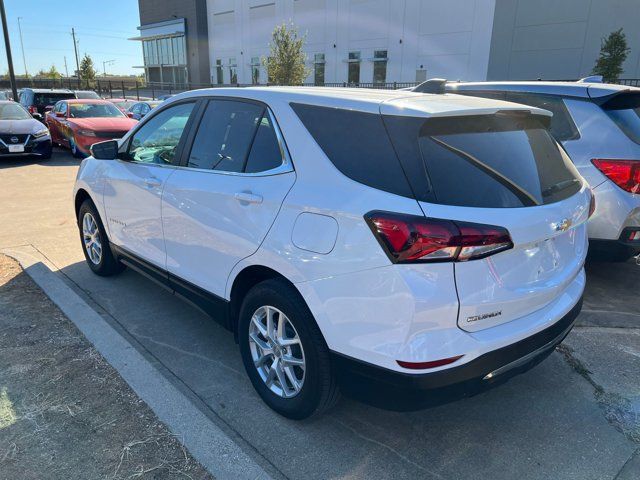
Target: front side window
(354, 67)
(157, 140)
(62, 108)
(380, 66)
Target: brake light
(624, 173)
(410, 238)
(33, 109)
(431, 364)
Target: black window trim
(285, 167)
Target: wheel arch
(244, 281)
(81, 196)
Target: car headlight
(87, 133)
(41, 133)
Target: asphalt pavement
(574, 416)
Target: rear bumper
(402, 391)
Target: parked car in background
(421, 247)
(78, 124)
(122, 103)
(139, 109)
(87, 94)
(21, 134)
(599, 126)
(5, 95)
(39, 100)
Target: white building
(365, 41)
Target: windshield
(624, 110)
(13, 111)
(46, 99)
(491, 161)
(87, 94)
(93, 110)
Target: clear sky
(102, 29)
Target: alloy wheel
(276, 351)
(91, 238)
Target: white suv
(415, 248)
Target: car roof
(49, 90)
(570, 89)
(391, 102)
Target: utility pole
(7, 45)
(26, 73)
(104, 66)
(75, 49)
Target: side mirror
(105, 150)
(129, 114)
(60, 114)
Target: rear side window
(624, 110)
(492, 161)
(46, 99)
(357, 144)
(562, 125)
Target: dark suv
(39, 100)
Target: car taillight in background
(410, 238)
(33, 109)
(624, 173)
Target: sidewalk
(63, 409)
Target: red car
(78, 124)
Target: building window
(379, 66)
(255, 70)
(318, 69)
(354, 68)
(164, 51)
(219, 74)
(233, 70)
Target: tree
(87, 70)
(53, 73)
(613, 53)
(286, 62)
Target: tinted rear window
(493, 161)
(357, 144)
(624, 110)
(46, 99)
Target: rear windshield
(46, 99)
(493, 161)
(624, 110)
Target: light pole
(12, 76)
(26, 73)
(104, 66)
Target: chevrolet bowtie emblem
(563, 225)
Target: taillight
(624, 173)
(410, 238)
(33, 109)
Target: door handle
(248, 197)
(152, 182)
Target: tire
(318, 390)
(49, 152)
(103, 264)
(74, 148)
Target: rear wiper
(558, 186)
(525, 197)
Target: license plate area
(16, 148)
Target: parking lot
(575, 416)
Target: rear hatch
(494, 163)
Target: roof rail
(591, 79)
(433, 85)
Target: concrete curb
(209, 445)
